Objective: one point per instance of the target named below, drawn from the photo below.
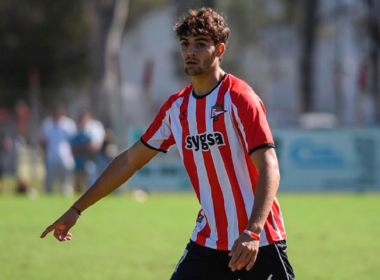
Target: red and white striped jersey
(215, 135)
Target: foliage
(50, 36)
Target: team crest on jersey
(204, 141)
(200, 218)
(216, 111)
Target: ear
(220, 49)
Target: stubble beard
(201, 68)
(194, 72)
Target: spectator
(108, 150)
(95, 130)
(22, 113)
(1, 159)
(80, 146)
(56, 133)
(8, 156)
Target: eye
(184, 44)
(201, 45)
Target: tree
(49, 36)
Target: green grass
(329, 237)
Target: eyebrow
(205, 39)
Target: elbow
(276, 171)
(278, 176)
(272, 171)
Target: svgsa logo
(204, 141)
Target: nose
(191, 50)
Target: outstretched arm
(245, 249)
(117, 172)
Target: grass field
(330, 237)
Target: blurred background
(314, 63)
(81, 80)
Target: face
(58, 113)
(200, 54)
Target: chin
(193, 72)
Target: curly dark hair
(203, 21)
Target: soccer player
(220, 128)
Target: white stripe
(199, 227)
(241, 169)
(281, 218)
(275, 225)
(181, 260)
(283, 265)
(163, 133)
(221, 172)
(204, 186)
(176, 124)
(241, 127)
(240, 166)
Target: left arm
(245, 248)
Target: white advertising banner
(329, 160)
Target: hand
(244, 252)
(62, 226)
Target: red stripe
(226, 154)
(270, 231)
(157, 123)
(216, 192)
(168, 142)
(269, 228)
(253, 173)
(165, 145)
(188, 156)
(204, 233)
(277, 218)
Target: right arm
(117, 172)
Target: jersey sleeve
(159, 135)
(252, 121)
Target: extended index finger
(47, 230)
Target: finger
(65, 231)
(252, 261)
(233, 249)
(244, 259)
(67, 238)
(47, 230)
(57, 234)
(235, 257)
(240, 262)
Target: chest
(202, 124)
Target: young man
(56, 133)
(219, 126)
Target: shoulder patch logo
(216, 111)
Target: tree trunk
(307, 60)
(374, 31)
(112, 77)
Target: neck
(205, 82)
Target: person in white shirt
(56, 133)
(94, 129)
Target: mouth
(191, 62)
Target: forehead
(195, 38)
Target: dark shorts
(202, 263)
